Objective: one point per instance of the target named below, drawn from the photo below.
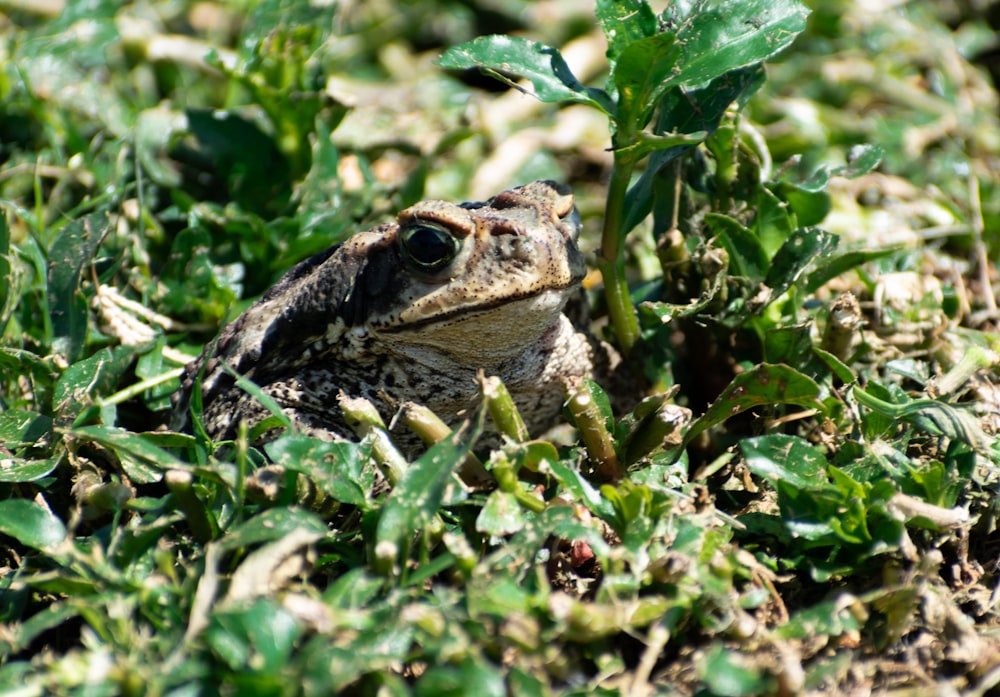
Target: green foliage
(652, 61)
(778, 513)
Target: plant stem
(611, 259)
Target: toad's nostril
(520, 249)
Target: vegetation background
(807, 503)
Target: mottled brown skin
(389, 317)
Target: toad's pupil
(429, 247)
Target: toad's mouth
(538, 309)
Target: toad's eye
(428, 247)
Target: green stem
(507, 481)
(611, 259)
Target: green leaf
(18, 470)
(266, 400)
(644, 71)
(933, 416)
(830, 618)
(841, 264)
(472, 677)
(19, 427)
(22, 634)
(83, 382)
(802, 248)
(809, 207)
(773, 223)
(381, 644)
(785, 458)
(843, 371)
(791, 344)
(69, 257)
(31, 524)
(142, 460)
(338, 468)
(235, 150)
(624, 22)
(270, 525)
(731, 674)
(582, 490)
(152, 365)
(270, 16)
(418, 496)
(501, 515)
(747, 257)
(684, 111)
(724, 35)
(259, 638)
(862, 159)
(542, 65)
(765, 384)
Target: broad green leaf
(542, 65)
(684, 111)
(270, 525)
(624, 22)
(809, 207)
(791, 344)
(731, 674)
(724, 35)
(232, 147)
(18, 470)
(259, 638)
(354, 590)
(747, 256)
(83, 382)
(644, 71)
(862, 159)
(472, 677)
(501, 515)
(772, 224)
(143, 461)
(20, 427)
(933, 416)
(337, 468)
(582, 490)
(765, 384)
(785, 458)
(502, 597)
(31, 524)
(829, 618)
(71, 254)
(802, 248)
(842, 263)
(634, 519)
(419, 495)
